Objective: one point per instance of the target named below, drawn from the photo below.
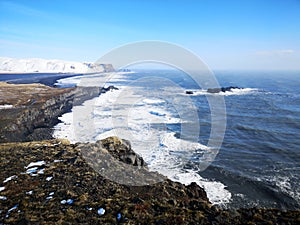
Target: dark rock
(222, 89)
(109, 88)
(121, 150)
(189, 92)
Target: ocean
(258, 163)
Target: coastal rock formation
(35, 109)
(215, 90)
(52, 183)
(121, 150)
(189, 92)
(109, 88)
(222, 89)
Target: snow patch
(10, 178)
(34, 164)
(6, 106)
(35, 65)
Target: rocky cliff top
(50, 182)
(21, 95)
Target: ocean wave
(101, 79)
(143, 121)
(216, 191)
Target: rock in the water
(222, 89)
(109, 88)
(189, 92)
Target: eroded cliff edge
(29, 111)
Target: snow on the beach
(33, 65)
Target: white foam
(216, 191)
(171, 142)
(153, 101)
(284, 184)
(237, 91)
(88, 80)
(127, 115)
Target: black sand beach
(48, 79)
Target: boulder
(189, 92)
(109, 88)
(121, 150)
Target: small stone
(3, 198)
(101, 211)
(63, 202)
(119, 216)
(70, 201)
(49, 178)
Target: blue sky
(249, 34)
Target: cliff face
(35, 111)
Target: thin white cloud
(21, 9)
(281, 52)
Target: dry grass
(26, 94)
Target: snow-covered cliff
(35, 65)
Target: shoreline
(42, 78)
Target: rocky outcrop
(121, 150)
(215, 90)
(109, 88)
(189, 92)
(222, 89)
(53, 183)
